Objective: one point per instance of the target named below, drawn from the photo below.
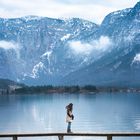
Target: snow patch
(65, 37)
(137, 20)
(36, 68)
(129, 38)
(48, 55)
(117, 65)
(27, 18)
(121, 12)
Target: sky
(92, 10)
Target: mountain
(6, 84)
(36, 50)
(120, 66)
(39, 50)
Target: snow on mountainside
(35, 50)
(120, 66)
(38, 50)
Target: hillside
(46, 51)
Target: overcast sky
(93, 10)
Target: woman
(69, 116)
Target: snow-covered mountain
(38, 50)
(120, 66)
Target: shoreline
(74, 89)
(68, 89)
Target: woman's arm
(69, 113)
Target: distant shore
(66, 89)
(72, 89)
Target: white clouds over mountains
(100, 45)
(92, 10)
(6, 45)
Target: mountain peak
(32, 17)
(136, 7)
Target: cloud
(113, 3)
(119, 3)
(92, 10)
(96, 46)
(6, 45)
(80, 48)
(136, 58)
(103, 43)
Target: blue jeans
(69, 127)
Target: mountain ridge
(37, 46)
(40, 50)
(115, 68)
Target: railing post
(15, 138)
(61, 137)
(109, 137)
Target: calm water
(104, 112)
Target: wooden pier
(61, 136)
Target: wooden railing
(60, 136)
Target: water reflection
(93, 113)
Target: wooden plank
(117, 134)
(15, 138)
(109, 137)
(60, 137)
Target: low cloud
(80, 48)
(96, 46)
(136, 58)
(6, 45)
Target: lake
(101, 112)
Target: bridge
(61, 136)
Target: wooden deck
(61, 136)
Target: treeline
(56, 89)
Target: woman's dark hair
(69, 106)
